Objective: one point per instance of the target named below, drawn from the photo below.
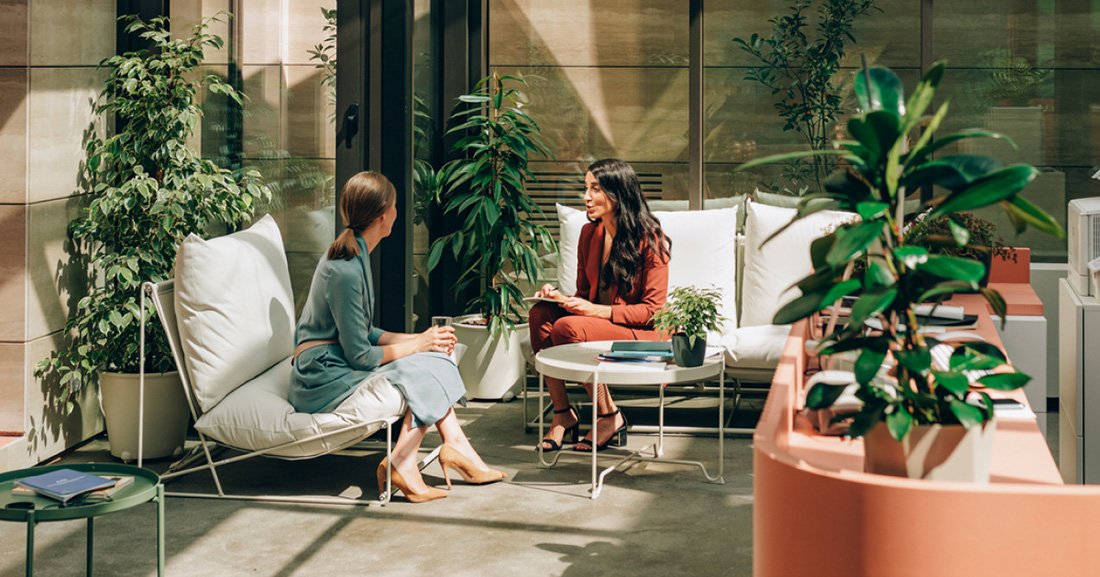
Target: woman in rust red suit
(622, 279)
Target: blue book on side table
(64, 484)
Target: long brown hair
(365, 197)
(636, 224)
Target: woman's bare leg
(605, 405)
(453, 435)
(405, 454)
(563, 418)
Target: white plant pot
(935, 452)
(166, 414)
(490, 368)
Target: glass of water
(442, 321)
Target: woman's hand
(584, 308)
(437, 340)
(548, 292)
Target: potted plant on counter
(147, 192)
(908, 398)
(497, 240)
(687, 315)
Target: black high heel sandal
(573, 431)
(617, 438)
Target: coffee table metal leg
(30, 544)
(659, 450)
(721, 425)
(597, 480)
(88, 555)
(160, 530)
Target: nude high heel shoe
(399, 484)
(450, 458)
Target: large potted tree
(905, 394)
(485, 189)
(147, 192)
(799, 62)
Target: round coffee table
(146, 488)
(577, 362)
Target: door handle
(351, 123)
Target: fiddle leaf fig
(148, 190)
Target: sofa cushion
(234, 308)
(756, 347)
(772, 269)
(704, 251)
(737, 200)
(257, 416)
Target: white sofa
(709, 248)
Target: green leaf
(872, 303)
(872, 210)
(959, 233)
(1024, 210)
(868, 364)
(988, 190)
(951, 172)
(821, 395)
(898, 422)
(878, 88)
(954, 382)
(996, 302)
(967, 414)
(852, 241)
(1005, 381)
(911, 256)
(953, 267)
(946, 288)
(917, 360)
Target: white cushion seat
(756, 347)
(256, 416)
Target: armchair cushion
(756, 347)
(234, 308)
(256, 416)
(772, 269)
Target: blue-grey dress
(339, 306)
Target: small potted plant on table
(687, 315)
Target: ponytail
(344, 247)
(364, 198)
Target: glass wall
(608, 78)
(282, 55)
(1030, 70)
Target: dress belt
(306, 345)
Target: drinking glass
(442, 321)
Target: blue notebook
(64, 484)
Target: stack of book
(67, 484)
(636, 355)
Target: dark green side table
(146, 488)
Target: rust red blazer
(636, 308)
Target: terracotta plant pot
(686, 355)
(936, 452)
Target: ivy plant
(800, 67)
(886, 159)
(147, 191)
(485, 189)
(691, 311)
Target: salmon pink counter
(816, 512)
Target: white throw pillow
(772, 269)
(704, 251)
(571, 221)
(234, 308)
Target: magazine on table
(64, 484)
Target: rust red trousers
(551, 325)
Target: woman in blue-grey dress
(338, 348)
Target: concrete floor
(650, 520)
